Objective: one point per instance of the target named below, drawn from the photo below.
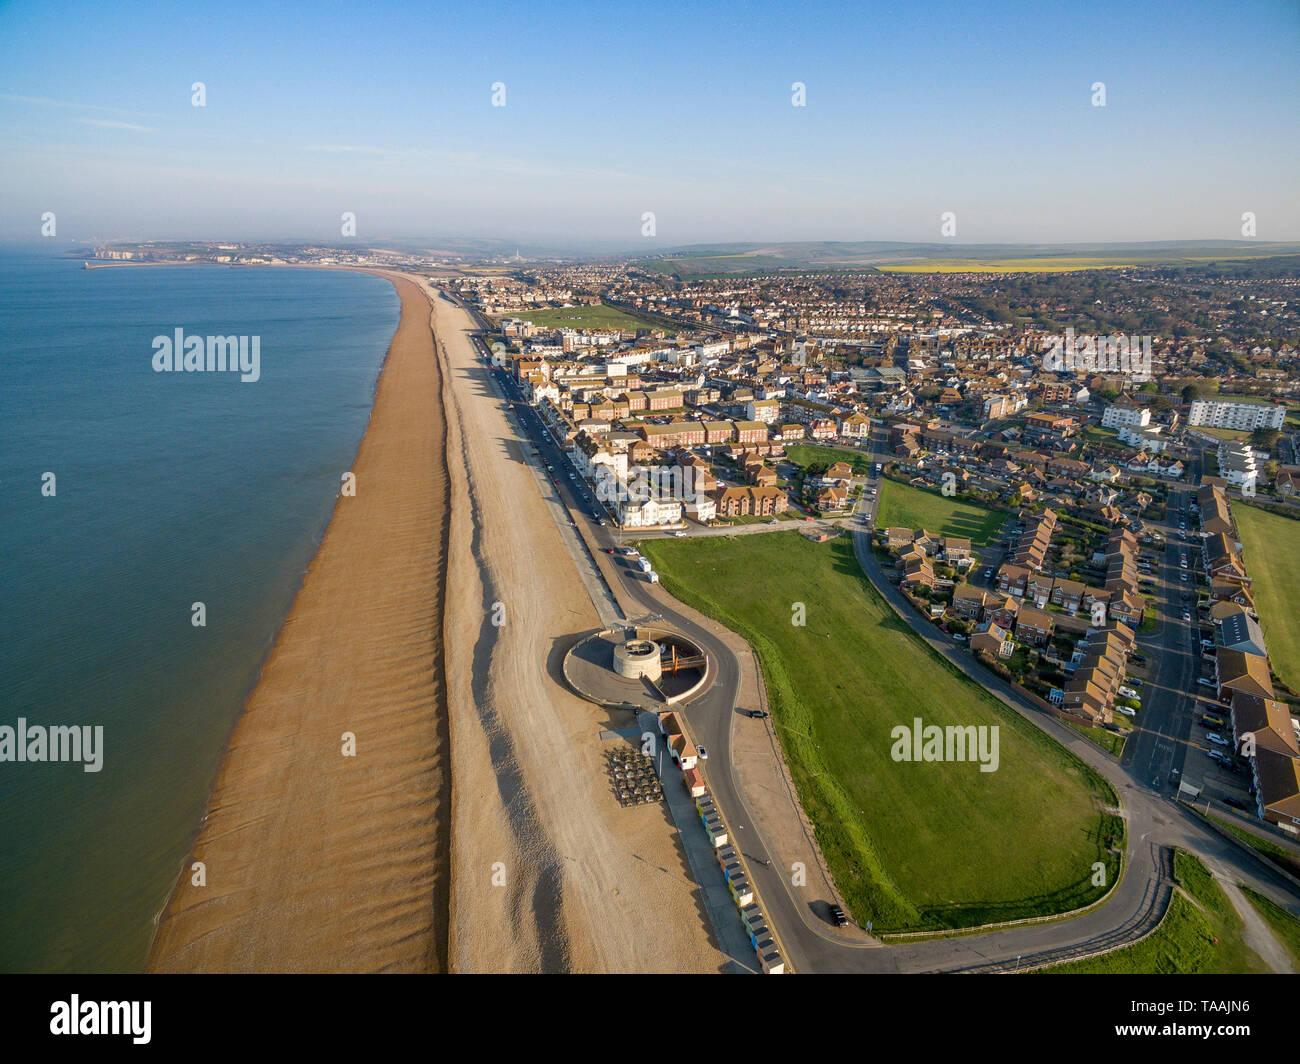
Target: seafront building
(1226, 414)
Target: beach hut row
(763, 941)
(742, 892)
(710, 818)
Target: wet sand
(315, 861)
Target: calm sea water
(171, 489)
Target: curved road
(1154, 822)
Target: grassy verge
(1275, 853)
(1109, 741)
(902, 505)
(1285, 926)
(1201, 933)
(1270, 546)
(913, 845)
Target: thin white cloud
(350, 148)
(105, 124)
(46, 102)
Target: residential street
(1155, 821)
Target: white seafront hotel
(1225, 414)
(1120, 415)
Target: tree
(1264, 439)
(1191, 393)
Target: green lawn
(806, 454)
(1223, 434)
(1285, 926)
(905, 506)
(1271, 545)
(912, 845)
(1185, 942)
(597, 317)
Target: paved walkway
(723, 914)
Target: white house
(1119, 415)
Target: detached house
(1034, 626)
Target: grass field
(1049, 264)
(806, 454)
(905, 506)
(1271, 545)
(597, 317)
(1184, 943)
(1285, 926)
(912, 845)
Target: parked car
(1186, 616)
(988, 574)
(1132, 681)
(703, 753)
(1216, 739)
(1128, 711)
(758, 714)
(1204, 682)
(1238, 803)
(837, 917)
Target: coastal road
(1154, 823)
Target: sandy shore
(587, 886)
(316, 861)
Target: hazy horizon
(387, 112)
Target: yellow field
(1008, 265)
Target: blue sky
(684, 110)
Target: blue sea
(169, 489)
